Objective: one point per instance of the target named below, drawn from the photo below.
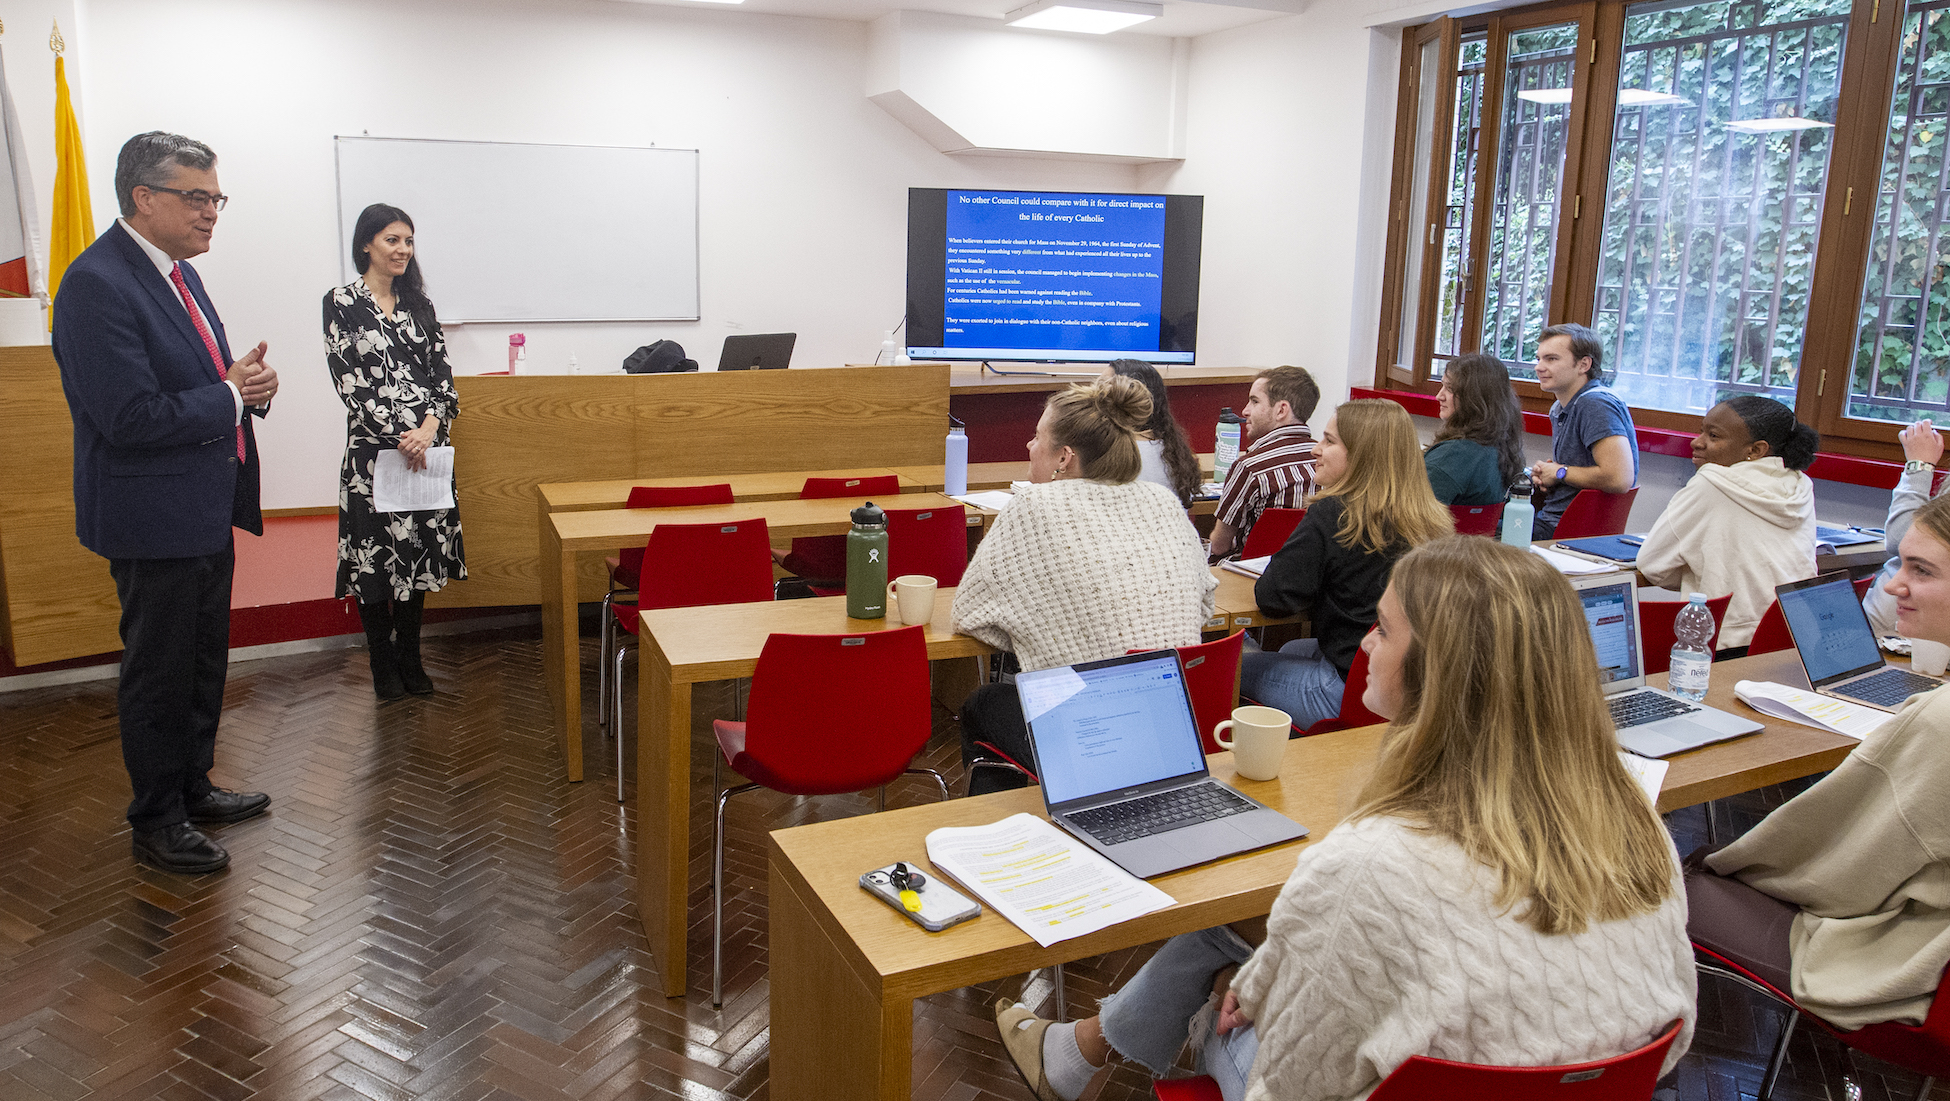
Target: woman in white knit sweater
(1746, 521)
(1086, 563)
(1502, 893)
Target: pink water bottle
(517, 352)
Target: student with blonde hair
(1375, 505)
(1502, 892)
(1086, 563)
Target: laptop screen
(1107, 726)
(1829, 628)
(1608, 611)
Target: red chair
(1594, 513)
(828, 714)
(1655, 628)
(1920, 1049)
(1269, 532)
(932, 542)
(1478, 519)
(1627, 1077)
(1771, 633)
(685, 566)
(627, 566)
(823, 557)
(1353, 712)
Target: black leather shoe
(180, 848)
(228, 806)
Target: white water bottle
(1518, 513)
(1692, 649)
(955, 473)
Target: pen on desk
(1631, 540)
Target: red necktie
(209, 342)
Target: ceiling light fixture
(1779, 125)
(1083, 16)
(1546, 95)
(1639, 97)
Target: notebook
(1838, 649)
(1650, 722)
(1123, 769)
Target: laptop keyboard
(1889, 687)
(1638, 708)
(1160, 813)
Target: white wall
(804, 180)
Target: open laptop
(1838, 648)
(1118, 752)
(1650, 722)
(757, 352)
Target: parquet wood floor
(432, 912)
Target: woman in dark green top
(1478, 451)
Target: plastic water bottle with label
(1225, 447)
(1692, 649)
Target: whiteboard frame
(347, 273)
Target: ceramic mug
(1258, 741)
(913, 593)
(1928, 658)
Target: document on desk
(1572, 564)
(1251, 567)
(1650, 772)
(995, 500)
(1042, 879)
(1799, 706)
(397, 489)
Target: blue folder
(1613, 547)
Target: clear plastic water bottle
(1518, 512)
(1225, 447)
(1692, 649)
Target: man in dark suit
(165, 464)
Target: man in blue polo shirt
(1593, 443)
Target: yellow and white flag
(74, 222)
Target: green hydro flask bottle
(866, 564)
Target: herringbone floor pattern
(432, 912)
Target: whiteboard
(512, 232)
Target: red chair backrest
(834, 713)
(1655, 627)
(1212, 680)
(1477, 519)
(1269, 532)
(932, 542)
(884, 485)
(686, 565)
(1772, 634)
(1594, 513)
(1353, 712)
(629, 561)
(678, 496)
(1627, 1077)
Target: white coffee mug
(913, 593)
(1928, 658)
(1258, 741)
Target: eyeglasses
(198, 198)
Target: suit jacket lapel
(159, 289)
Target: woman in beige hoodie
(1746, 521)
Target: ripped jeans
(1148, 1020)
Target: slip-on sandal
(1022, 1037)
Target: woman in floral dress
(389, 365)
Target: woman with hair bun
(1746, 521)
(1086, 563)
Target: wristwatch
(1561, 471)
(1915, 465)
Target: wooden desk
(1234, 606)
(783, 485)
(983, 476)
(845, 968)
(565, 536)
(681, 647)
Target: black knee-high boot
(406, 630)
(377, 619)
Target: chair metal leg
(1779, 1057)
(1062, 998)
(883, 797)
(618, 703)
(939, 781)
(1923, 1091)
(717, 896)
(602, 665)
(1712, 823)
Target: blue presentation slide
(1054, 270)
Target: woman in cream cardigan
(1838, 896)
(1086, 563)
(1746, 521)
(1502, 893)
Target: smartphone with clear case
(941, 905)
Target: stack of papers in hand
(1251, 567)
(1571, 563)
(1799, 706)
(1048, 883)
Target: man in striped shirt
(1277, 470)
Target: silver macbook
(1649, 721)
(1838, 648)
(1122, 768)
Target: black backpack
(663, 357)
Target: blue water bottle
(1519, 513)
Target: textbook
(1049, 884)
(1808, 709)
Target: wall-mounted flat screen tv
(1052, 276)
